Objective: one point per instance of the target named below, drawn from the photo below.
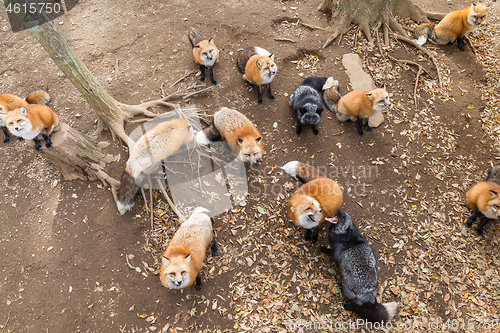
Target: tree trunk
(368, 13)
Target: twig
(145, 200)
(151, 199)
(284, 40)
(356, 37)
(157, 67)
(467, 40)
(5, 325)
(379, 44)
(183, 77)
(69, 220)
(197, 92)
(409, 41)
(116, 68)
(174, 208)
(420, 69)
(310, 26)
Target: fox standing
(241, 134)
(358, 269)
(258, 67)
(184, 256)
(9, 102)
(453, 27)
(146, 157)
(484, 200)
(318, 198)
(30, 121)
(359, 105)
(205, 53)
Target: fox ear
(211, 41)
(382, 86)
(258, 63)
(473, 4)
(258, 139)
(369, 96)
(198, 48)
(165, 261)
(272, 56)
(187, 259)
(493, 194)
(22, 110)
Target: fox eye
(172, 274)
(308, 208)
(19, 120)
(183, 273)
(247, 155)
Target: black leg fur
(461, 43)
(7, 134)
(360, 125)
(315, 234)
(479, 229)
(299, 127)
(48, 143)
(269, 93)
(38, 145)
(315, 129)
(307, 236)
(260, 95)
(211, 71)
(215, 251)
(367, 127)
(198, 284)
(202, 69)
(472, 218)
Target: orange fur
(480, 196)
(457, 23)
(41, 118)
(205, 47)
(9, 102)
(257, 67)
(184, 256)
(359, 103)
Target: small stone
(284, 9)
(185, 19)
(78, 115)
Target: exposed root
(420, 70)
(412, 42)
(312, 27)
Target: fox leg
(472, 218)
(479, 229)
(269, 93)
(315, 234)
(48, 143)
(315, 129)
(211, 72)
(360, 125)
(346, 306)
(202, 69)
(307, 236)
(461, 42)
(20, 138)
(260, 95)
(38, 145)
(7, 134)
(367, 127)
(215, 252)
(298, 130)
(325, 250)
(198, 282)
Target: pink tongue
(313, 218)
(333, 220)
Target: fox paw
(20, 138)
(214, 82)
(479, 232)
(7, 139)
(198, 286)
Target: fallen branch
(183, 78)
(5, 325)
(284, 40)
(174, 208)
(312, 27)
(434, 60)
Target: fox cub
(205, 53)
(146, 157)
(318, 198)
(258, 67)
(359, 105)
(484, 200)
(184, 256)
(453, 27)
(307, 103)
(30, 121)
(240, 133)
(358, 269)
(9, 102)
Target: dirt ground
(63, 244)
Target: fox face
(477, 14)
(379, 99)
(18, 122)
(250, 150)
(267, 68)
(176, 272)
(208, 52)
(493, 206)
(309, 114)
(340, 223)
(306, 211)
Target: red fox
(318, 198)
(358, 105)
(32, 120)
(184, 256)
(258, 67)
(483, 198)
(454, 26)
(241, 134)
(9, 102)
(146, 157)
(205, 53)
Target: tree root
(434, 60)
(420, 70)
(310, 26)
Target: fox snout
(311, 118)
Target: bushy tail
(195, 37)
(208, 135)
(127, 193)
(331, 94)
(423, 32)
(303, 171)
(37, 97)
(494, 174)
(376, 312)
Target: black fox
(358, 269)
